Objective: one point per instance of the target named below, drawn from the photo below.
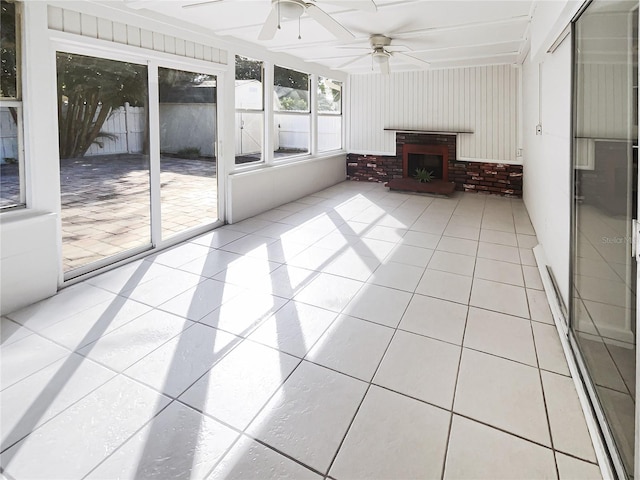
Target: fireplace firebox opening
(433, 158)
(431, 163)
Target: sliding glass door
(603, 315)
(104, 159)
(188, 163)
(137, 170)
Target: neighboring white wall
(29, 258)
(254, 192)
(188, 125)
(547, 157)
(479, 99)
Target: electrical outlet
(518, 152)
(539, 129)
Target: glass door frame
(64, 42)
(196, 66)
(616, 466)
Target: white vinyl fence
(8, 137)
(182, 125)
(127, 123)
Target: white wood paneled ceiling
(443, 33)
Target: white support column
(40, 111)
(225, 132)
(42, 163)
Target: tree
(294, 95)
(89, 89)
(8, 52)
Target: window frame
(262, 110)
(330, 114)
(310, 113)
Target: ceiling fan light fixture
(380, 56)
(291, 8)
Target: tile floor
(354, 333)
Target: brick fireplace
(479, 177)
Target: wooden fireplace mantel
(442, 132)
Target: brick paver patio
(106, 203)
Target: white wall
(479, 99)
(29, 258)
(254, 192)
(549, 21)
(547, 157)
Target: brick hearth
(480, 177)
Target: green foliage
(284, 77)
(8, 50)
(248, 69)
(423, 176)
(329, 95)
(295, 104)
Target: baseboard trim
(560, 321)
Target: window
(292, 112)
(249, 110)
(329, 114)
(11, 152)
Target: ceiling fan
(382, 51)
(294, 9)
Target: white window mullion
(269, 119)
(154, 153)
(313, 96)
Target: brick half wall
(478, 177)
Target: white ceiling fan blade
(328, 22)
(410, 59)
(364, 5)
(270, 26)
(200, 4)
(397, 48)
(384, 67)
(353, 48)
(353, 60)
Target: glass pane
(292, 135)
(249, 96)
(329, 96)
(605, 185)
(188, 171)
(8, 51)
(249, 132)
(249, 89)
(9, 158)
(329, 133)
(104, 162)
(291, 90)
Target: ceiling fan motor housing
(379, 41)
(290, 8)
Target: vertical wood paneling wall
(479, 99)
(605, 92)
(90, 26)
